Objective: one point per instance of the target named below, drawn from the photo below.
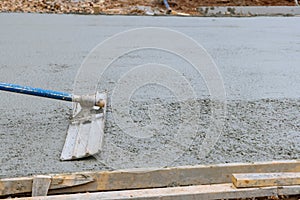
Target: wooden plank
(40, 185)
(176, 176)
(289, 190)
(69, 180)
(265, 179)
(159, 177)
(24, 184)
(217, 191)
(15, 185)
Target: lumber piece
(265, 179)
(289, 190)
(15, 185)
(40, 185)
(175, 176)
(157, 177)
(217, 191)
(69, 180)
(19, 185)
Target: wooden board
(40, 185)
(153, 178)
(288, 190)
(217, 191)
(24, 184)
(265, 179)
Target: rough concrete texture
(258, 59)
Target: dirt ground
(135, 7)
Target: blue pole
(36, 91)
(167, 5)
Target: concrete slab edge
(249, 11)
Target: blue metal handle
(36, 91)
(167, 5)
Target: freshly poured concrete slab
(258, 59)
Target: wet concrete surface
(258, 59)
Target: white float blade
(85, 133)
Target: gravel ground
(257, 59)
(133, 7)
